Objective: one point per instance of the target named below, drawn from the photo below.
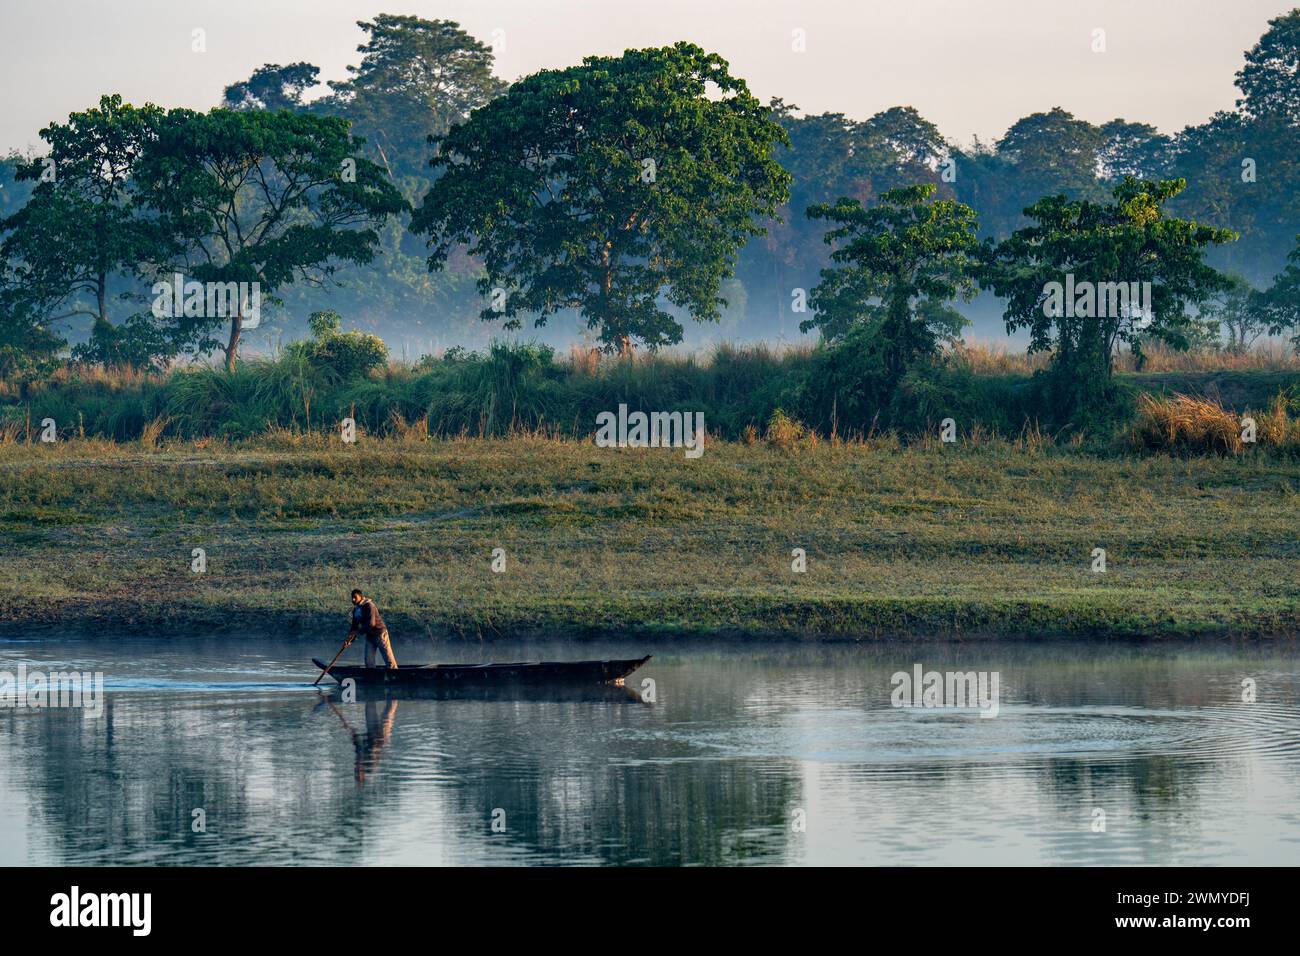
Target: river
(216, 750)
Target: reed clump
(1186, 423)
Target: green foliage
(897, 266)
(1278, 307)
(272, 87)
(605, 186)
(1093, 246)
(341, 355)
(138, 343)
(80, 228)
(417, 78)
(1270, 80)
(267, 198)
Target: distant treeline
(418, 78)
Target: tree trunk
(232, 350)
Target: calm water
(740, 746)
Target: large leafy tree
(605, 186)
(1053, 152)
(1244, 174)
(898, 147)
(1132, 149)
(259, 197)
(79, 231)
(416, 78)
(1270, 80)
(898, 265)
(1129, 240)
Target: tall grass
(517, 389)
(1199, 425)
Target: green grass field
(993, 539)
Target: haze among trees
(425, 199)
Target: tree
(898, 265)
(898, 147)
(603, 186)
(1086, 276)
(821, 161)
(1051, 153)
(1236, 314)
(416, 78)
(1270, 80)
(1278, 307)
(1132, 149)
(264, 198)
(80, 229)
(272, 87)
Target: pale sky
(971, 67)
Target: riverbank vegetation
(509, 389)
(988, 536)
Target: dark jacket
(366, 619)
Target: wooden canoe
(539, 672)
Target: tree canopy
(605, 186)
(898, 265)
(266, 198)
(1108, 251)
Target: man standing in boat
(367, 620)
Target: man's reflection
(379, 731)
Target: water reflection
(378, 733)
(786, 754)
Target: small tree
(604, 186)
(1236, 315)
(265, 198)
(1103, 252)
(898, 266)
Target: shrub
(345, 355)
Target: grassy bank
(993, 537)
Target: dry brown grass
(984, 359)
(584, 361)
(404, 431)
(153, 430)
(784, 432)
(1187, 423)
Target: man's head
(357, 596)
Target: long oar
(346, 645)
